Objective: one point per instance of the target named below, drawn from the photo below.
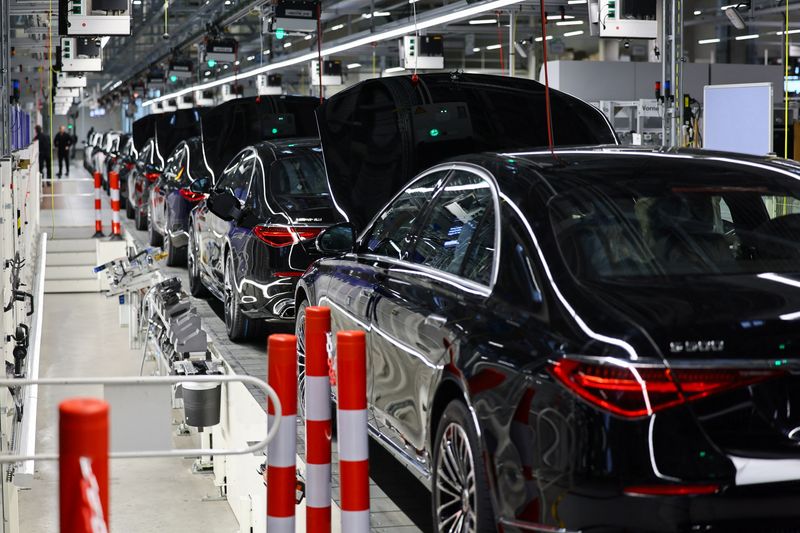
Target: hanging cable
(785, 88)
(547, 82)
(50, 72)
(319, 53)
(416, 37)
(500, 43)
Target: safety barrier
(113, 179)
(98, 207)
(351, 383)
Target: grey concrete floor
(82, 338)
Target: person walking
(44, 152)
(62, 142)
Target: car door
(237, 182)
(162, 188)
(424, 300)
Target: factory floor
(82, 338)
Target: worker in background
(62, 142)
(44, 151)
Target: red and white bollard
(281, 452)
(318, 421)
(98, 208)
(113, 179)
(83, 465)
(351, 374)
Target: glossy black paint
(554, 460)
(149, 161)
(265, 276)
(124, 164)
(169, 209)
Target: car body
(101, 154)
(89, 150)
(149, 166)
(598, 339)
(171, 199)
(124, 162)
(253, 264)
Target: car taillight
(288, 274)
(191, 196)
(280, 236)
(634, 391)
(152, 176)
(671, 490)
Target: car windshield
(296, 182)
(666, 225)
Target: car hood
(380, 133)
(733, 316)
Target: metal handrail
(258, 447)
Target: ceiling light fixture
(307, 38)
(406, 29)
(790, 32)
(287, 45)
(573, 33)
(351, 66)
(482, 21)
(576, 2)
(708, 41)
(697, 12)
(746, 37)
(476, 49)
(337, 27)
(250, 58)
(494, 46)
(381, 14)
(539, 39)
(569, 23)
(394, 69)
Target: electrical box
(185, 102)
(67, 92)
(81, 54)
(424, 52)
(66, 81)
(293, 16)
(623, 19)
(331, 73)
(180, 69)
(168, 106)
(221, 50)
(230, 92)
(94, 17)
(204, 98)
(269, 84)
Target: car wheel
(236, 323)
(153, 235)
(460, 488)
(141, 219)
(300, 333)
(175, 256)
(196, 287)
(129, 212)
(123, 202)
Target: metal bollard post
(318, 421)
(113, 179)
(83, 465)
(98, 208)
(281, 465)
(351, 387)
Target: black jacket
(63, 141)
(44, 144)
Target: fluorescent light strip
(697, 13)
(790, 32)
(353, 65)
(494, 46)
(476, 49)
(708, 41)
(337, 27)
(381, 14)
(746, 37)
(475, 22)
(539, 39)
(340, 48)
(573, 33)
(394, 69)
(569, 23)
(576, 2)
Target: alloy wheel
(300, 333)
(455, 483)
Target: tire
(457, 457)
(123, 202)
(300, 333)
(196, 287)
(140, 218)
(129, 212)
(175, 256)
(236, 324)
(155, 238)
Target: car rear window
(295, 178)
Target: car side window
(391, 229)
(255, 198)
(236, 178)
(458, 236)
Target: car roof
(278, 148)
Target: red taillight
(280, 236)
(191, 196)
(288, 274)
(633, 391)
(129, 166)
(671, 490)
(152, 176)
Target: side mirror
(337, 239)
(225, 205)
(200, 185)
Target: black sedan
(252, 239)
(149, 167)
(590, 340)
(171, 199)
(122, 160)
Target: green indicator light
(173, 78)
(212, 63)
(274, 131)
(702, 454)
(511, 161)
(779, 363)
(781, 346)
(434, 132)
(280, 33)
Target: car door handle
(435, 320)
